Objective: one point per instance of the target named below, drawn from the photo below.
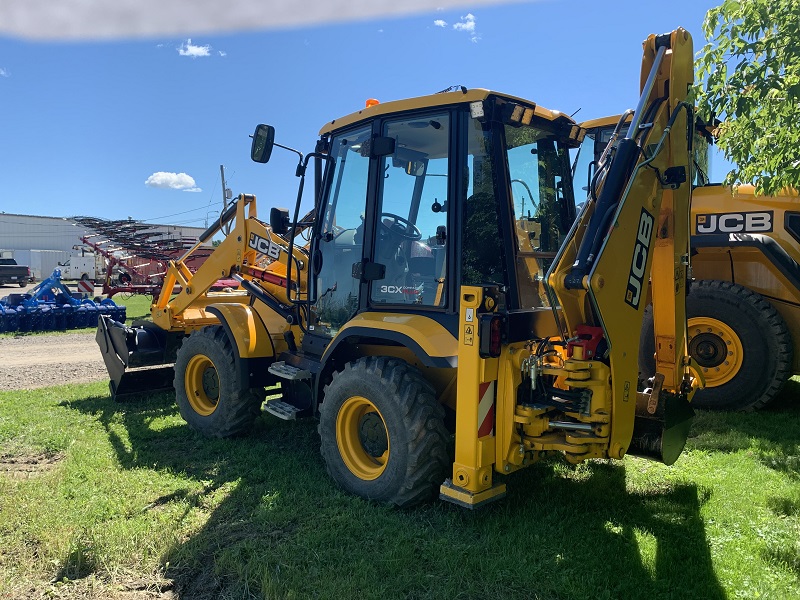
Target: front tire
(382, 432)
(739, 341)
(208, 389)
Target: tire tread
(242, 407)
(423, 418)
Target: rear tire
(738, 339)
(22, 284)
(382, 432)
(208, 389)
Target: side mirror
(279, 220)
(263, 142)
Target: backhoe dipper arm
(635, 231)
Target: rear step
(284, 371)
(291, 376)
(282, 410)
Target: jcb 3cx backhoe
(743, 305)
(443, 292)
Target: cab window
(411, 229)
(541, 193)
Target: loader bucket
(660, 430)
(135, 358)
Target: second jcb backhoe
(743, 305)
(443, 292)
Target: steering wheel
(409, 231)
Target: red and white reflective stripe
(85, 287)
(486, 409)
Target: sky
(139, 128)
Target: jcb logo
(264, 246)
(644, 234)
(743, 222)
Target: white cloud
(4, 72)
(189, 49)
(172, 181)
(440, 23)
(468, 24)
(222, 53)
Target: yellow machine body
(407, 323)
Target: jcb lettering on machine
(636, 277)
(742, 222)
(264, 246)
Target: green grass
(134, 495)
(138, 306)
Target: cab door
(411, 214)
(384, 220)
(339, 243)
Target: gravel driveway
(32, 361)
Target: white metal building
(43, 242)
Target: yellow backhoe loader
(743, 305)
(444, 295)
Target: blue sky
(86, 125)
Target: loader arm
(635, 228)
(140, 358)
(249, 241)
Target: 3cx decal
(264, 246)
(396, 289)
(633, 294)
(741, 222)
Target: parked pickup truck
(11, 272)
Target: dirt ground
(31, 361)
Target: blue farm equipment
(52, 306)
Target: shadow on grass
(283, 529)
(772, 433)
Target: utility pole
(226, 195)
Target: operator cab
(422, 196)
(599, 132)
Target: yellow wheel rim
(202, 385)
(716, 348)
(362, 438)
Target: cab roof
(434, 100)
(603, 122)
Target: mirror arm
(300, 154)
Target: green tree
(749, 78)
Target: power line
(67, 220)
(176, 214)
